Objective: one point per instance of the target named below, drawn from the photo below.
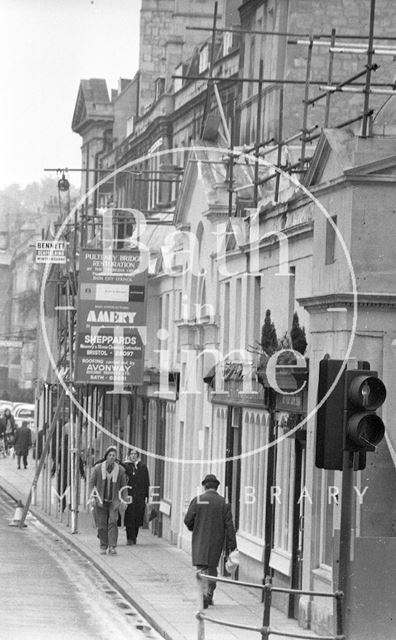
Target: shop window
(283, 495)
(253, 475)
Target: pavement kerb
(163, 613)
(158, 623)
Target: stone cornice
(373, 177)
(216, 211)
(345, 300)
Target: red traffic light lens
(366, 430)
(367, 392)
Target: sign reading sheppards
(111, 319)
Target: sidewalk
(156, 577)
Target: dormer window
(130, 125)
(227, 42)
(159, 87)
(203, 58)
(178, 82)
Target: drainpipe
(269, 501)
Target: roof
(95, 90)
(92, 104)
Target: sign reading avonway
(111, 319)
(50, 251)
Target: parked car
(24, 412)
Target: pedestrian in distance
(8, 428)
(108, 496)
(22, 444)
(210, 520)
(138, 493)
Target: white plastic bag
(232, 563)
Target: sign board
(13, 344)
(293, 403)
(50, 251)
(111, 319)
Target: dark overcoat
(22, 441)
(210, 520)
(138, 490)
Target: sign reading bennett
(111, 318)
(50, 251)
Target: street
(49, 591)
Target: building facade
(231, 239)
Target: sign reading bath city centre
(111, 318)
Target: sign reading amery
(111, 318)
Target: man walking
(108, 496)
(22, 444)
(210, 520)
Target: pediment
(333, 156)
(377, 169)
(80, 110)
(92, 103)
(203, 190)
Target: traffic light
(347, 420)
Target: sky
(46, 48)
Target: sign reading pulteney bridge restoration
(111, 318)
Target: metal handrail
(266, 630)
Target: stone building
(260, 243)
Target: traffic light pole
(346, 530)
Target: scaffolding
(367, 45)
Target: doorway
(298, 520)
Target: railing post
(201, 621)
(267, 609)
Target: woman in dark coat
(139, 484)
(22, 444)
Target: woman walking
(7, 427)
(108, 495)
(138, 490)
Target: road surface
(49, 591)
